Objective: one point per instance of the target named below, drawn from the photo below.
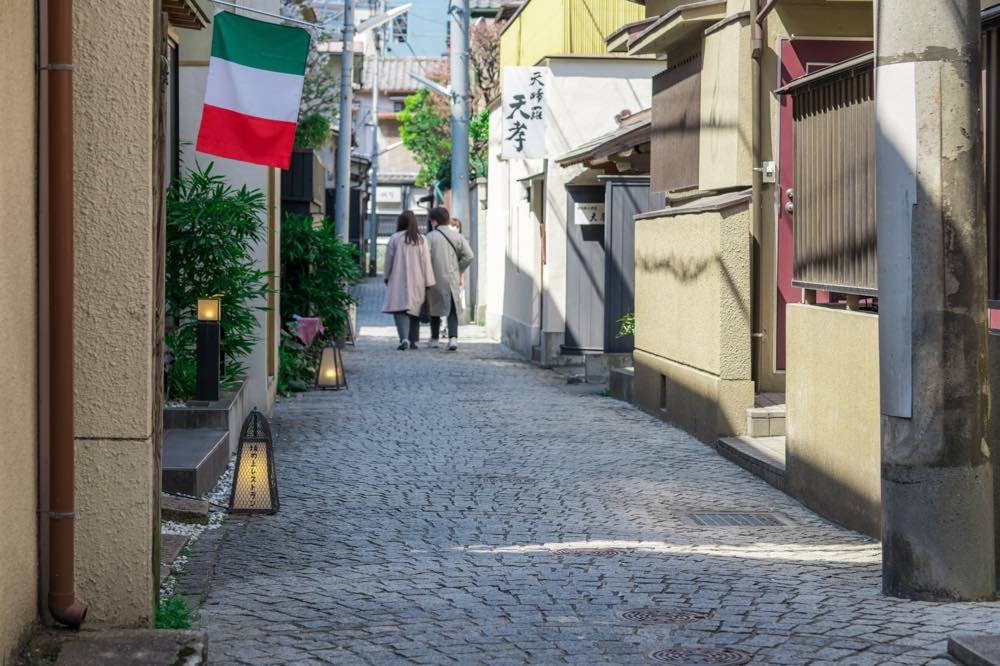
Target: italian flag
(253, 91)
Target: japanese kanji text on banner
(525, 112)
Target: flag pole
(314, 26)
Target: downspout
(63, 605)
(756, 52)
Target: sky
(427, 28)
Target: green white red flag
(253, 92)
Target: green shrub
(211, 231)
(627, 323)
(317, 271)
(312, 131)
(173, 613)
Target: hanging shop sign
(525, 112)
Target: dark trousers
(452, 323)
(407, 326)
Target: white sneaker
(433, 344)
(452, 344)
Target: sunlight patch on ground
(856, 553)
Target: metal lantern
(331, 369)
(209, 350)
(255, 485)
(352, 322)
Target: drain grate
(589, 552)
(732, 519)
(663, 616)
(700, 656)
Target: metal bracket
(767, 171)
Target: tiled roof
(486, 4)
(394, 71)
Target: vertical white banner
(896, 181)
(525, 112)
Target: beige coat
(450, 256)
(408, 274)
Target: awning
(617, 41)
(677, 25)
(857, 64)
(634, 131)
(185, 14)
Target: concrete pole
(343, 203)
(459, 11)
(373, 216)
(937, 482)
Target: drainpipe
(757, 46)
(63, 605)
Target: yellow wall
(832, 421)
(692, 305)
(18, 326)
(553, 27)
(114, 164)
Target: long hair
(407, 222)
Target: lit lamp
(255, 485)
(209, 350)
(331, 369)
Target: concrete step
(620, 383)
(761, 456)
(975, 649)
(193, 460)
(171, 546)
(766, 419)
(184, 509)
(121, 647)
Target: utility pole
(459, 11)
(373, 217)
(343, 203)
(937, 480)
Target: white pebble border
(218, 498)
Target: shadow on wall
(520, 302)
(687, 270)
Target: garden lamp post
(209, 350)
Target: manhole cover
(663, 616)
(589, 552)
(697, 656)
(731, 519)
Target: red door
(798, 58)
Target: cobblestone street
(472, 508)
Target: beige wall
(832, 422)
(726, 91)
(18, 327)
(114, 164)
(692, 300)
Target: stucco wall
(18, 327)
(113, 121)
(832, 422)
(692, 304)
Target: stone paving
(470, 508)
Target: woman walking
(450, 256)
(408, 274)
